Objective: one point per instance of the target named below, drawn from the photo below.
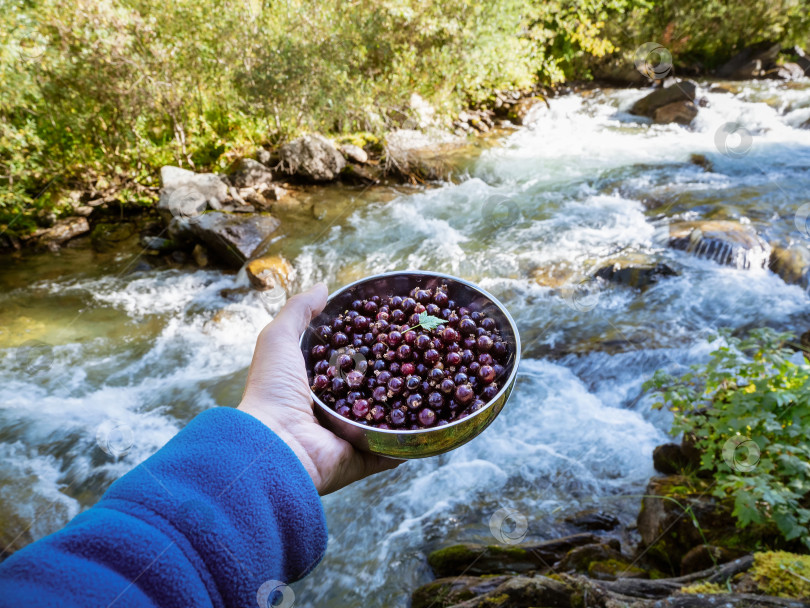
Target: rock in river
(635, 270)
(728, 243)
(312, 157)
(61, 232)
(678, 92)
(232, 237)
(792, 264)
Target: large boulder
(187, 194)
(312, 157)
(751, 62)
(232, 237)
(725, 242)
(249, 173)
(684, 90)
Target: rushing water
(137, 353)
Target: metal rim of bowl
(506, 385)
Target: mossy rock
(782, 574)
(611, 569)
(524, 592)
(704, 588)
(480, 559)
(453, 590)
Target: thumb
(299, 311)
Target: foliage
(704, 587)
(782, 574)
(749, 411)
(113, 89)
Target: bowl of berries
(410, 364)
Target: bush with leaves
(748, 409)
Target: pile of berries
(409, 362)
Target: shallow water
(142, 352)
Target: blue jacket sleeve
(208, 520)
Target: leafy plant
(748, 409)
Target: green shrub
(749, 410)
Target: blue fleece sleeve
(208, 520)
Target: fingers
(299, 311)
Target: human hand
(277, 393)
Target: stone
(157, 243)
(83, 210)
(445, 592)
(684, 90)
(354, 154)
(249, 173)
(703, 557)
(593, 519)
(665, 521)
(61, 232)
(750, 62)
(185, 201)
(634, 270)
(791, 264)
(267, 272)
(524, 592)
(786, 71)
(701, 161)
(679, 112)
(200, 255)
(725, 242)
(579, 558)
(475, 559)
(108, 236)
(275, 192)
(360, 174)
(613, 569)
(265, 157)
(233, 238)
(210, 185)
(312, 157)
(670, 459)
(520, 112)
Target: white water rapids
(150, 349)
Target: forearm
(224, 507)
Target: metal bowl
(425, 442)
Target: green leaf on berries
(429, 322)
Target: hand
(277, 393)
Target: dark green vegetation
(748, 412)
(96, 96)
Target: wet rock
(701, 161)
(593, 519)
(233, 238)
(679, 112)
(579, 558)
(187, 194)
(634, 270)
(108, 236)
(312, 157)
(666, 527)
(792, 264)
(268, 272)
(445, 592)
(524, 592)
(61, 232)
(685, 90)
(354, 154)
(249, 173)
(520, 112)
(360, 174)
(614, 569)
(750, 62)
(477, 559)
(157, 243)
(703, 557)
(554, 276)
(670, 459)
(200, 255)
(725, 242)
(786, 71)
